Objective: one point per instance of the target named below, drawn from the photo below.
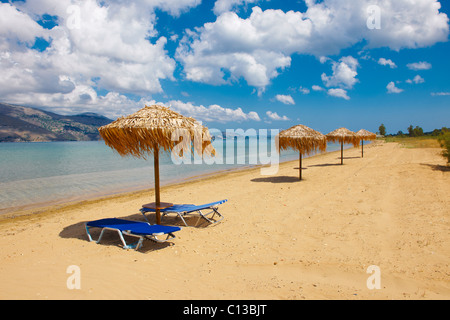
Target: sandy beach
(280, 239)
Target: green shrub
(444, 139)
(382, 130)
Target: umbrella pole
(157, 196)
(300, 167)
(342, 152)
(362, 148)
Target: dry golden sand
(281, 238)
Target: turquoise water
(53, 172)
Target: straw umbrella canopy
(148, 131)
(343, 135)
(365, 135)
(303, 139)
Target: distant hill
(20, 124)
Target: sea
(45, 173)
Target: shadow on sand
(278, 179)
(111, 238)
(437, 167)
(326, 165)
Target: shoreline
(52, 205)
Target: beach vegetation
(416, 138)
(414, 142)
(382, 130)
(444, 140)
(415, 132)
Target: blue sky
(233, 63)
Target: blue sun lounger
(184, 209)
(140, 230)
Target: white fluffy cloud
(344, 73)
(274, 116)
(82, 99)
(222, 6)
(286, 99)
(387, 62)
(423, 65)
(244, 47)
(417, 79)
(304, 90)
(391, 88)
(174, 7)
(339, 93)
(213, 113)
(440, 93)
(10, 34)
(259, 47)
(317, 88)
(111, 45)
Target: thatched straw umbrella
(149, 130)
(303, 139)
(343, 135)
(365, 135)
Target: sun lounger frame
(189, 209)
(136, 245)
